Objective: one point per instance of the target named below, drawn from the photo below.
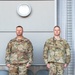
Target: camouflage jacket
(56, 51)
(19, 51)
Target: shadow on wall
(42, 72)
(3, 72)
(29, 72)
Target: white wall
(42, 17)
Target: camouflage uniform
(18, 54)
(56, 53)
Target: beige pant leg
(13, 70)
(52, 70)
(60, 69)
(22, 69)
(56, 69)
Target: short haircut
(56, 26)
(19, 26)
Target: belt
(51, 62)
(17, 63)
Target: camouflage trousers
(56, 69)
(18, 69)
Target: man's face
(56, 31)
(19, 31)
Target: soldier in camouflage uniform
(56, 53)
(19, 54)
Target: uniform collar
(56, 39)
(19, 39)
